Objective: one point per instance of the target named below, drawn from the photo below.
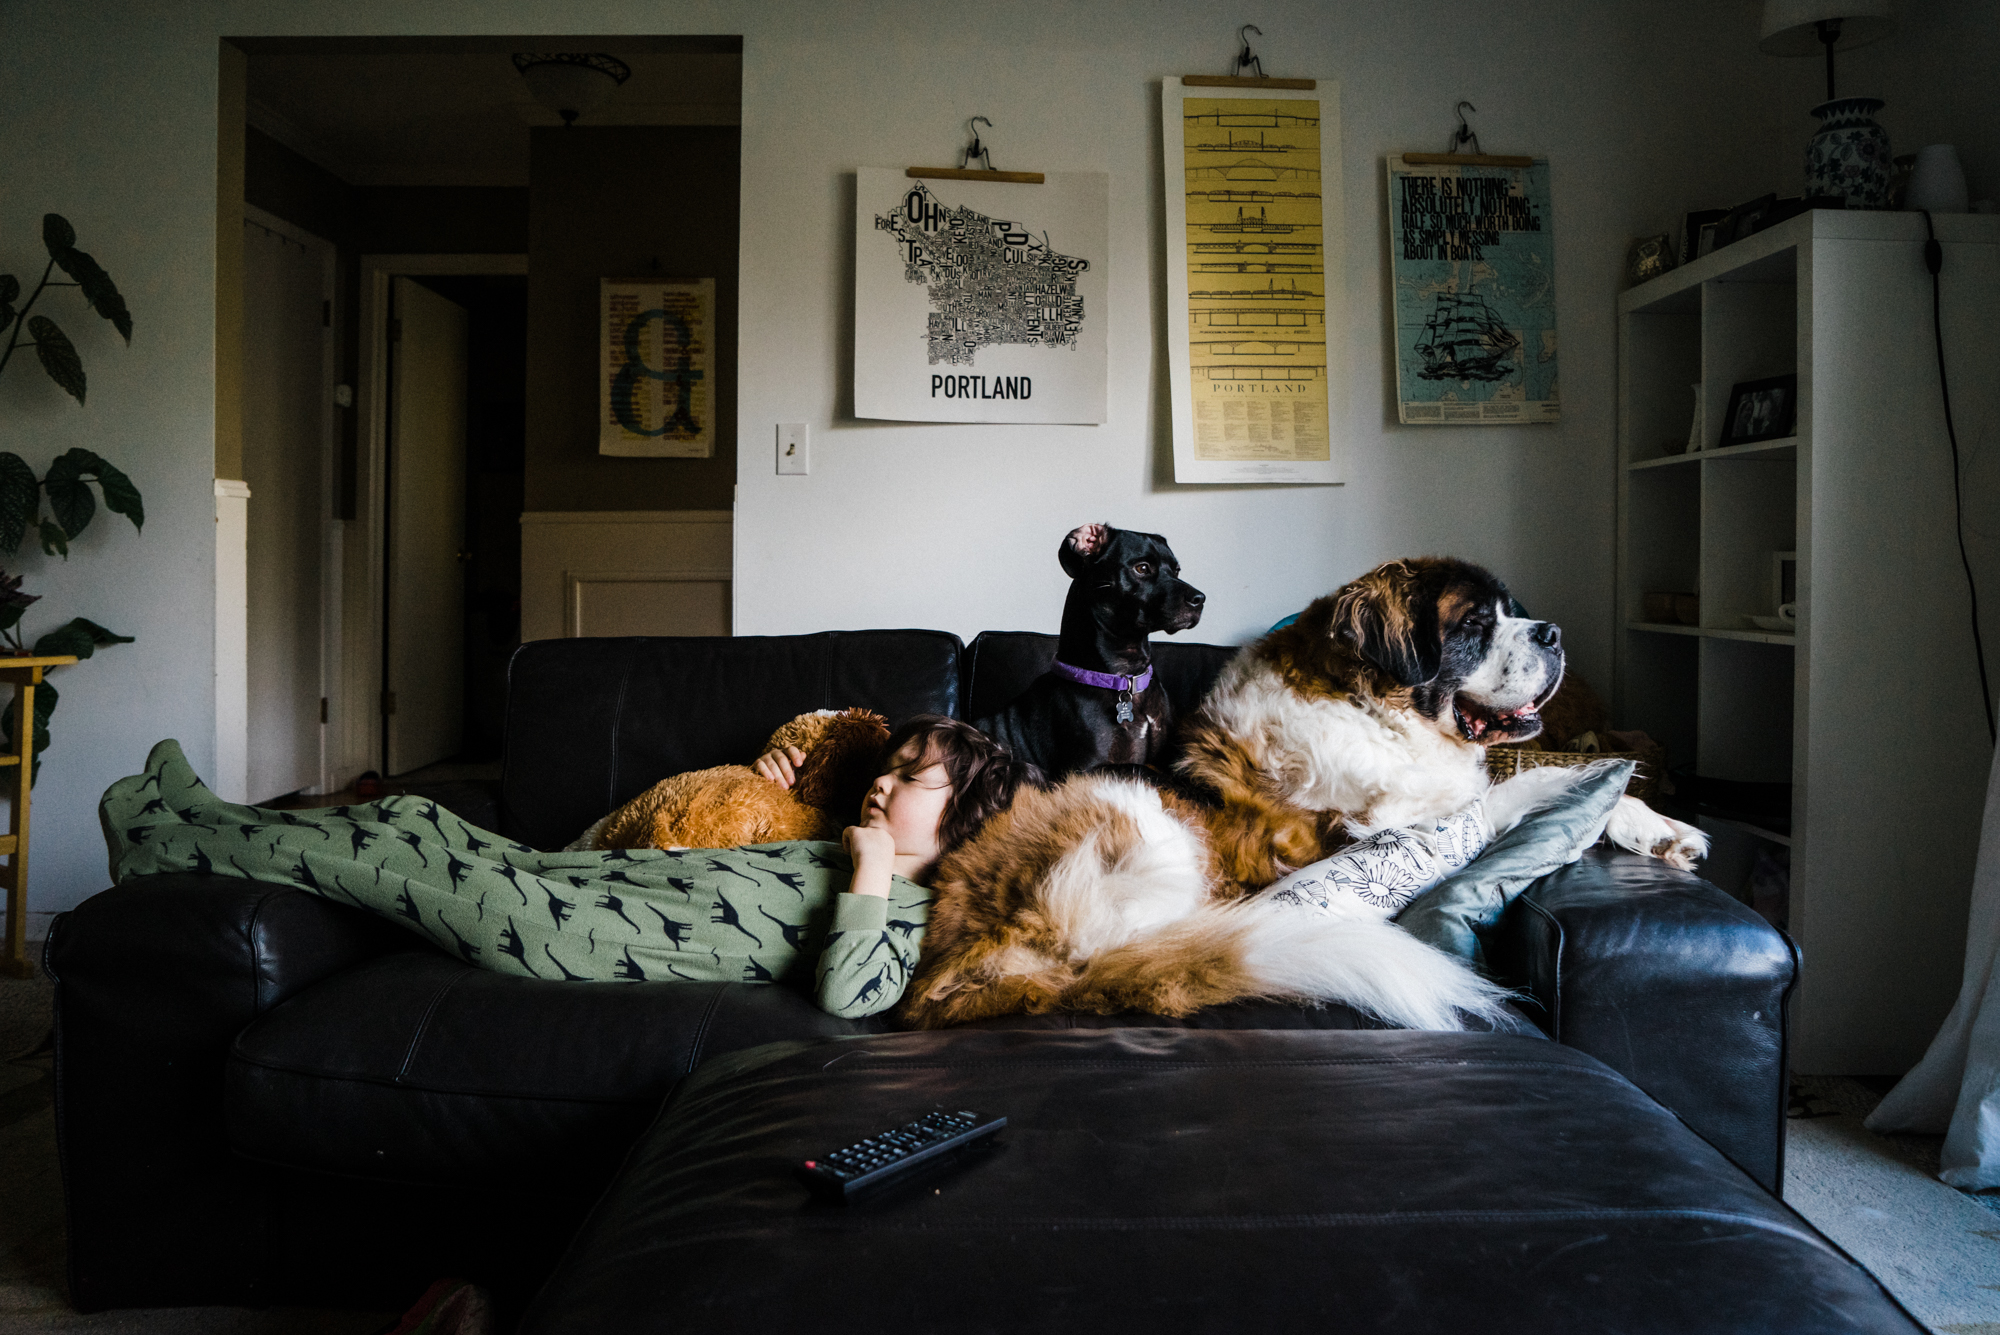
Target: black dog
(1099, 704)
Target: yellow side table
(26, 674)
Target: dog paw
(1640, 829)
(1684, 848)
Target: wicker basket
(1504, 762)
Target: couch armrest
(1669, 981)
(154, 979)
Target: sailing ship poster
(1255, 261)
(1472, 257)
(978, 301)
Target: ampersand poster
(657, 368)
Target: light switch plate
(794, 448)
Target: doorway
(443, 413)
(429, 160)
(488, 477)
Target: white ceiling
(460, 118)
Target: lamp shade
(1791, 27)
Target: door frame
(331, 535)
(362, 610)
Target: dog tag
(1124, 706)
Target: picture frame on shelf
(1741, 221)
(1698, 232)
(1761, 410)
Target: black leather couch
(266, 1097)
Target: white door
(425, 603)
(287, 422)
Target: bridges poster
(1256, 258)
(1472, 259)
(980, 301)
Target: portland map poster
(980, 301)
(1256, 257)
(1473, 263)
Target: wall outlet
(794, 448)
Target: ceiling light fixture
(571, 83)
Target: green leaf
(10, 615)
(45, 705)
(103, 636)
(79, 637)
(54, 541)
(120, 496)
(10, 288)
(97, 288)
(58, 356)
(68, 496)
(57, 234)
(68, 640)
(20, 500)
(71, 499)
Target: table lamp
(1849, 156)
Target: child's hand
(780, 766)
(870, 844)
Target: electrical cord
(1934, 261)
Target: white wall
(957, 526)
(123, 145)
(1643, 110)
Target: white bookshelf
(1871, 708)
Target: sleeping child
(849, 915)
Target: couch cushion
(1186, 1180)
(591, 724)
(418, 1067)
(1000, 664)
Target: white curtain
(1956, 1087)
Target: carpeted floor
(1936, 1249)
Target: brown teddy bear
(733, 804)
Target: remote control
(889, 1156)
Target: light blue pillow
(1452, 914)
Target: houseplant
(65, 486)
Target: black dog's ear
(1084, 545)
(1392, 624)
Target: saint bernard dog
(1373, 711)
(1370, 713)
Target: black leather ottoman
(1190, 1180)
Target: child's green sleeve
(871, 951)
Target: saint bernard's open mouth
(1477, 723)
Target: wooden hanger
(1247, 59)
(975, 151)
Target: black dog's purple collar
(1109, 681)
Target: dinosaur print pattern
(772, 913)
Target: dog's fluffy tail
(1256, 948)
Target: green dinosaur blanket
(764, 913)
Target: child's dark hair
(984, 774)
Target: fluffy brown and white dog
(1370, 712)
(1102, 895)
(1373, 710)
